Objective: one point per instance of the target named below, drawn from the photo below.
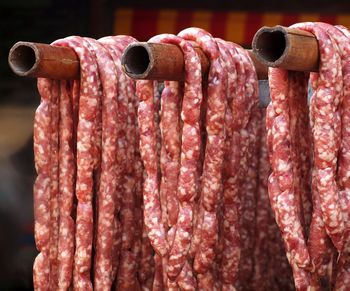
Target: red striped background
(237, 26)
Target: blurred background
(48, 20)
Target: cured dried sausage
(259, 281)
(211, 176)
(86, 141)
(42, 193)
(66, 187)
(54, 207)
(171, 188)
(287, 142)
(107, 184)
(148, 148)
(281, 191)
(325, 137)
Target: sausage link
(54, 207)
(42, 190)
(86, 152)
(325, 135)
(148, 146)
(186, 165)
(107, 184)
(213, 161)
(67, 173)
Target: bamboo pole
(287, 48)
(154, 61)
(28, 59)
(140, 61)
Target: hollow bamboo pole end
(28, 59)
(157, 61)
(138, 60)
(282, 47)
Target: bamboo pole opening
(272, 45)
(22, 59)
(137, 60)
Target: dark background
(328, 6)
(38, 21)
(45, 21)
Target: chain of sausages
(342, 281)
(102, 221)
(87, 196)
(202, 121)
(309, 159)
(147, 190)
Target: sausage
(137, 247)
(302, 146)
(279, 273)
(213, 161)
(107, 184)
(281, 189)
(116, 45)
(54, 207)
(326, 137)
(186, 169)
(126, 273)
(67, 173)
(301, 277)
(71, 113)
(171, 147)
(130, 198)
(259, 281)
(148, 148)
(168, 283)
(136, 175)
(319, 243)
(42, 191)
(249, 188)
(247, 99)
(182, 240)
(341, 36)
(186, 279)
(230, 158)
(280, 137)
(204, 204)
(285, 162)
(112, 44)
(229, 229)
(158, 276)
(198, 209)
(170, 163)
(206, 281)
(296, 94)
(86, 148)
